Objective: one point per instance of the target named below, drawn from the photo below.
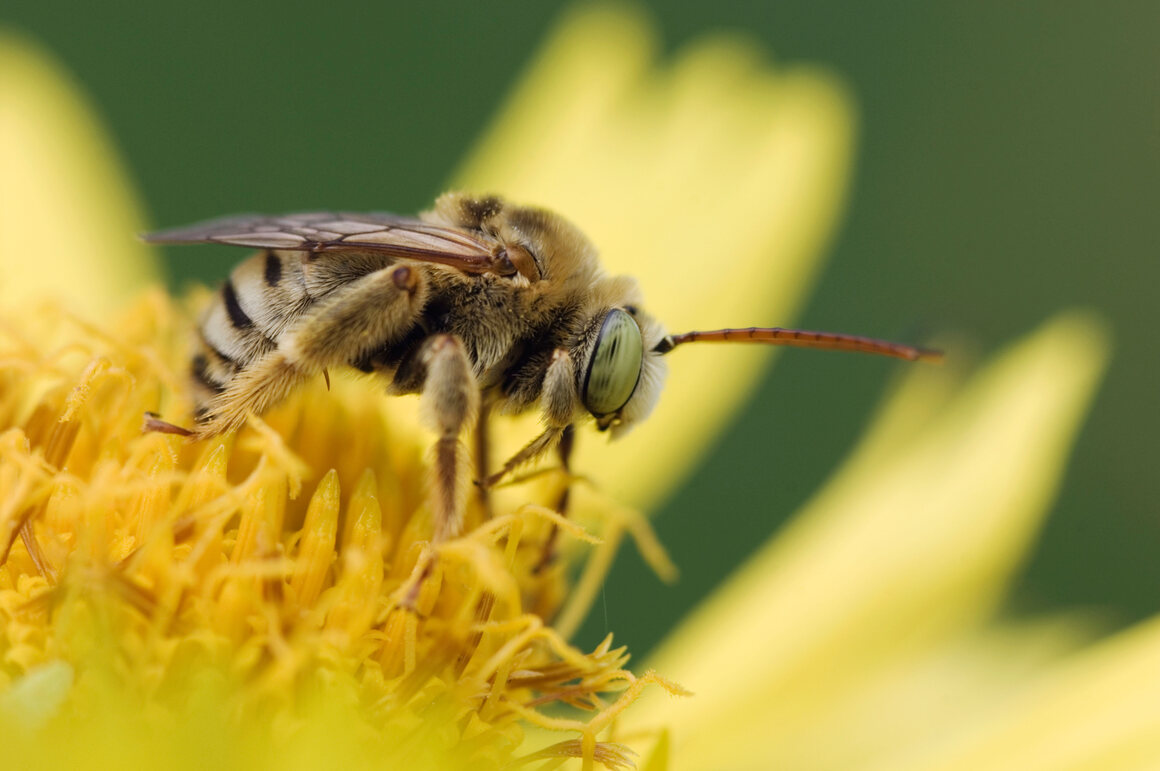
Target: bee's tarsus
(154, 424)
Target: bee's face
(614, 367)
(618, 375)
(621, 376)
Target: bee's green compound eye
(614, 369)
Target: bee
(477, 302)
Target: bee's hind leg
(257, 388)
(339, 329)
(450, 400)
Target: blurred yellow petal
(715, 179)
(38, 696)
(931, 690)
(68, 216)
(1098, 710)
(909, 546)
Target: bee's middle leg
(483, 455)
(450, 400)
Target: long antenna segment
(803, 338)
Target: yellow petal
(1099, 710)
(923, 692)
(68, 217)
(715, 179)
(910, 546)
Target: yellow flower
(272, 600)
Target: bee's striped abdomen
(240, 320)
(272, 269)
(262, 297)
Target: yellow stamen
(175, 557)
(316, 547)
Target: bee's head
(619, 374)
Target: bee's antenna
(801, 338)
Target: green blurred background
(1008, 166)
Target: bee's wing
(331, 232)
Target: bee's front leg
(564, 452)
(450, 400)
(558, 402)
